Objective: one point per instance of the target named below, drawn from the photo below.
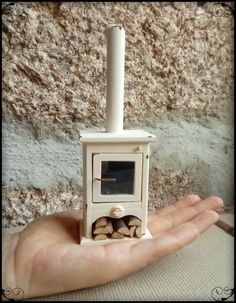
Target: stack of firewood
(128, 226)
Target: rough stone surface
(21, 206)
(179, 56)
(179, 81)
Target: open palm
(46, 258)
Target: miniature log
(132, 221)
(121, 227)
(117, 235)
(138, 232)
(100, 237)
(109, 227)
(131, 231)
(100, 230)
(101, 222)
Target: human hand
(46, 258)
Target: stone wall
(179, 80)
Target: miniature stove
(115, 164)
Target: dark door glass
(120, 178)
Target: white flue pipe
(115, 36)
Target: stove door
(117, 177)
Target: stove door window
(117, 177)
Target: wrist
(9, 282)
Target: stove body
(115, 178)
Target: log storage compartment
(105, 227)
(115, 164)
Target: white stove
(115, 164)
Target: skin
(46, 258)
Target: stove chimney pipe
(115, 36)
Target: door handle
(106, 179)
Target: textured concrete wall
(178, 84)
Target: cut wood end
(133, 221)
(138, 232)
(100, 230)
(101, 222)
(109, 227)
(124, 231)
(100, 237)
(121, 227)
(131, 231)
(117, 235)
